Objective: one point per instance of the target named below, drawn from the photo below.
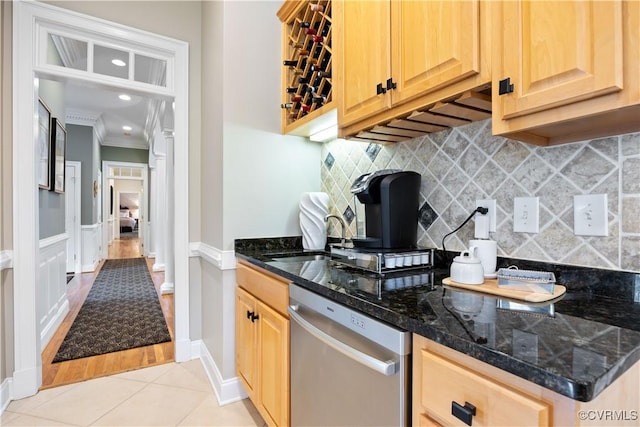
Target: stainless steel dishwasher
(347, 369)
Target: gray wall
(51, 213)
(118, 154)
(80, 148)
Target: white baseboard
(158, 267)
(90, 268)
(5, 394)
(227, 391)
(54, 323)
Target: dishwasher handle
(387, 368)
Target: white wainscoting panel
(52, 303)
(110, 230)
(90, 247)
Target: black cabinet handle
(463, 413)
(505, 86)
(249, 314)
(391, 85)
(380, 89)
(254, 317)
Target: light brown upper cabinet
(566, 71)
(397, 57)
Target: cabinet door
(273, 359)
(556, 53)
(364, 55)
(433, 44)
(246, 340)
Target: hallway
(67, 372)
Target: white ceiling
(100, 107)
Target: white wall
(265, 172)
(252, 175)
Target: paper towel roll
(314, 207)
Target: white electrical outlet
(491, 205)
(590, 215)
(526, 214)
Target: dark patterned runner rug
(122, 311)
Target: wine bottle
(303, 52)
(303, 80)
(305, 25)
(323, 74)
(312, 31)
(287, 105)
(290, 62)
(296, 98)
(318, 39)
(291, 89)
(316, 8)
(305, 108)
(319, 99)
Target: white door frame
(144, 202)
(75, 234)
(28, 19)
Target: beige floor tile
(16, 420)
(146, 375)
(28, 404)
(189, 375)
(84, 404)
(209, 413)
(154, 405)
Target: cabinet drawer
(443, 382)
(266, 287)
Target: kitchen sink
(300, 256)
(303, 258)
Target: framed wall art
(44, 146)
(58, 155)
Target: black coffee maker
(391, 200)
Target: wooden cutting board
(490, 286)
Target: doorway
(31, 21)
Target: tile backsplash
(467, 163)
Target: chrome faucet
(342, 224)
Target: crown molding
(81, 117)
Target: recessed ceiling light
(127, 128)
(118, 62)
(125, 97)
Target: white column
(169, 207)
(158, 215)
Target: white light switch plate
(590, 215)
(526, 214)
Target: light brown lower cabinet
(446, 381)
(262, 341)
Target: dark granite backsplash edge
(615, 284)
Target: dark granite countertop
(576, 346)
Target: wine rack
(307, 58)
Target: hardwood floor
(57, 374)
